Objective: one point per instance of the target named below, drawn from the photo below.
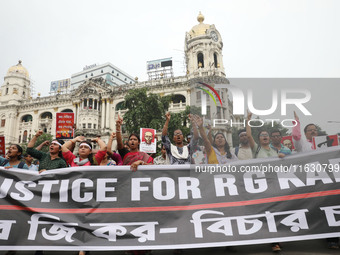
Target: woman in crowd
(263, 150)
(51, 160)
(13, 158)
(85, 158)
(85, 152)
(219, 151)
(134, 157)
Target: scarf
(80, 163)
(175, 153)
(134, 156)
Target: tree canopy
(145, 110)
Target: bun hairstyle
(226, 146)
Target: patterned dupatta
(134, 156)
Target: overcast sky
(262, 38)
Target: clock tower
(203, 50)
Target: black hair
(60, 154)
(261, 131)
(241, 131)
(19, 150)
(226, 146)
(90, 156)
(305, 129)
(134, 134)
(275, 131)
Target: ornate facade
(96, 103)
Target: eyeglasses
(312, 130)
(276, 136)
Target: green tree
(44, 137)
(144, 110)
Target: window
(219, 113)
(3, 122)
(91, 74)
(208, 113)
(113, 71)
(89, 125)
(215, 60)
(84, 125)
(94, 126)
(102, 71)
(117, 74)
(198, 95)
(19, 139)
(200, 60)
(24, 139)
(85, 76)
(6, 91)
(125, 79)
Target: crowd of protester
(215, 150)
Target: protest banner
(64, 125)
(320, 142)
(148, 140)
(172, 207)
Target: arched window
(178, 98)
(27, 118)
(120, 106)
(46, 115)
(215, 60)
(67, 110)
(200, 60)
(24, 138)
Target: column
(107, 116)
(103, 113)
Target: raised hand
(249, 115)
(168, 116)
(113, 135)
(39, 133)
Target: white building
(110, 73)
(97, 99)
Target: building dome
(18, 69)
(199, 29)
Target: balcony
(25, 125)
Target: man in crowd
(243, 151)
(276, 137)
(179, 153)
(29, 162)
(161, 159)
(303, 143)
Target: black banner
(170, 207)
